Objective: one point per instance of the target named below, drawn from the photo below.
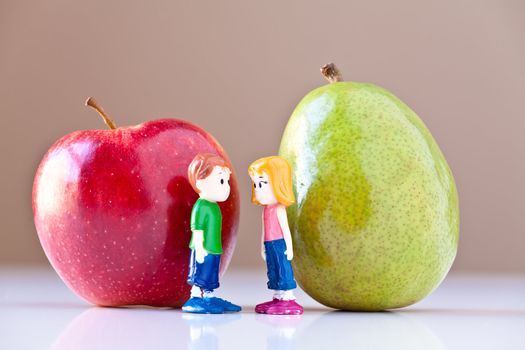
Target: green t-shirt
(206, 216)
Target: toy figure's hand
(200, 254)
(263, 254)
(289, 254)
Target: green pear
(376, 220)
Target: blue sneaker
(201, 306)
(224, 304)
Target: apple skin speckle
(376, 221)
(109, 211)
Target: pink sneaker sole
(284, 307)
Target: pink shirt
(272, 228)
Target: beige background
(238, 68)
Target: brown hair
(202, 165)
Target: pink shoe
(284, 307)
(261, 308)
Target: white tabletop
(37, 311)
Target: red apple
(112, 210)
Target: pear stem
(331, 73)
(91, 102)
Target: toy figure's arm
(198, 242)
(263, 252)
(283, 222)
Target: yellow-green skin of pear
(376, 220)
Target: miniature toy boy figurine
(209, 176)
(272, 188)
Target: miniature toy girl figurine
(272, 188)
(209, 176)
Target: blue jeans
(280, 272)
(205, 275)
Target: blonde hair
(280, 176)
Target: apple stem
(91, 102)
(331, 73)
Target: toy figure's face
(263, 189)
(216, 187)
